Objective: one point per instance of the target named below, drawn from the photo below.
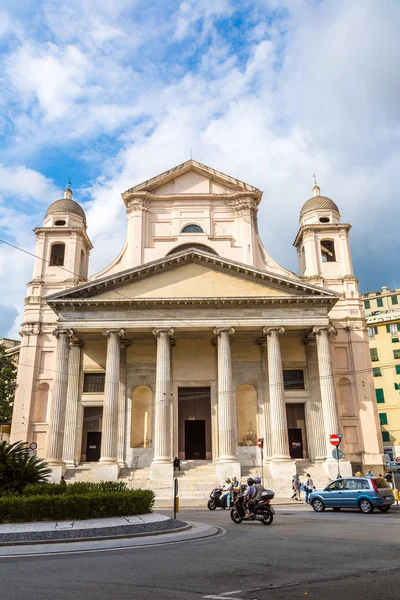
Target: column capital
(124, 343)
(268, 330)
(218, 330)
(108, 332)
(262, 341)
(76, 342)
(58, 332)
(329, 329)
(158, 330)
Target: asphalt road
(329, 556)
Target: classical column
(316, 436)
(162, 405)
(71, 412)
(327, 383)
(279, 428)
(122, 406)
(111, 393)
(227, 459)
(263, 399)
(55, 432)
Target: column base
(106, 472)
(162, 471)
(282, 469)
(56, 472)
(331, 468)
(228, 469)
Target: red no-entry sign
(334, 439)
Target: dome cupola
(319, 209)
(65, 211)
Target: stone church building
(194, 342)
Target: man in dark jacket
(258, 490)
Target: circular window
(59, 223)
(324, 220)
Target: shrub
(19, 509)
(18, 467)
(79, 487)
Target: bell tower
(323, 248)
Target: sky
(113, 92)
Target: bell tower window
(57, 255)
(328, 251)
(192, 228)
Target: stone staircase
(197, 478)
(83, 472)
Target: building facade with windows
(194, 342)
(382, 311)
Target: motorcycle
(263, 511)
(217, 500)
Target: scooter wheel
(236, 518)
(211, 505)
(268, 518)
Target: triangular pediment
(191, 177)
(193, 274)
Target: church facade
(194, 342)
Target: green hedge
(80, 487)
(20, 509)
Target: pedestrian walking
(308, 487)
(296, 487)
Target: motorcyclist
(227, 490)
(250, 492)
(259, 489)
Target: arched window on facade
(40, 402)
(247, 421)
(346, 398)
(57, 255)
(142, 413)
(194, 246)
(328, 251)
(192, 228)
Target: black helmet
(250, 481)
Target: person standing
(177, 464)
(296, 487)
(308, 486)
(369, 473)
(389, 478)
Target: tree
(18, 467)
(8, 375)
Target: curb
(95, 538)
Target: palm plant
(18, 467)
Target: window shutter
(396, 353)
(383, 419)
(367, 304)
(396, 386)
(380, 398)
(385, 436)
(376, 371)
(395, 300)
(388, 328)
(397, 369)
(379, 302)
(374, 354)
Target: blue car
(364, 493)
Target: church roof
(191, 165)
(318, 203)
(66, 205)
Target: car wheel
(211, 505)
(385, 508)
(318, 505)
(337, 508)
(366, 506)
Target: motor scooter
(217, 500)
(263, 511)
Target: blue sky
(112, 92)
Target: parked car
(364, 493)
(392, 466)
